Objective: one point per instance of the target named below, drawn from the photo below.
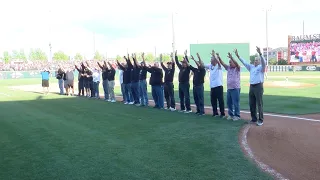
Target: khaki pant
(111, 90)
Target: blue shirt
(45, 75)
(256, 72)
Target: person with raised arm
(105, 82)
(110, 76)
(257, 70)
(198, 80)
(80, 80)
(90, 89)
(126, 81)
(156, 84)
(184, 85)
(216, 85)
(135, 73)
(168, 83)
(143, 90)
(233, 87)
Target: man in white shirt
(257, 71)
(122, 85)
(216, 85)
(96, 81)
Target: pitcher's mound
(287, 84)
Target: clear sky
(142, 25)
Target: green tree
(98, 56)
(37, 54)
(180, 57)
(272, 61)
(282, 62)
(60, 56)
(253, 57)
(166, 57)
(6, 57)
(19, 55)
(149, 57)
(118, 58)
(78, 56)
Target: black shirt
(184, 72)
(198, 75)
(111, 74)
(126, 73)
(135, 74)
(169, 73)
(156, 76)
(105, 74)
(143, 74)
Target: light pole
(173, 35)
(267, 39)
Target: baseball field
(66, 137)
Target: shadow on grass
(59, 137)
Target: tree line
(38, 54)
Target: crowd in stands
(305, 52)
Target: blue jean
(96, 89)
(123, 92)
(157, 94)
(198, 98)
(135, 92)
(105, 89)
(61, 86)
(128, 93)
(143, 92)
(233, 101)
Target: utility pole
(173, 35)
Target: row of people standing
(134, 88)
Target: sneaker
(182, 111)
(215, 115)
(113, 101)
(172, 109)
(236, 118)
(138, 105)
(222, 116)
(126, 103)
(109, 100)
(252, 122)
(131, 103)
(201, 114)
(230, 118)
(187, 112)
(168, 109)
(197, 113)
(259, 123)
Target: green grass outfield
(58, 137)
(292, 101)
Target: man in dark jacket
(184, 85)
(135, 73)
(168, 83)
(143, 90)
(198, 80)
(156, 83)
(127, 80)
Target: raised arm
(134, 57)
(111, 67)
(177, 60)
(185, 56)
(77, 68)
(130, 66)
(242, 60)
(201, 64)
(263, 61)
(221, 62)
(191, 67)
(162, 65)
(100, 65)
(215, 58)
(120, 66)
(233, 60)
